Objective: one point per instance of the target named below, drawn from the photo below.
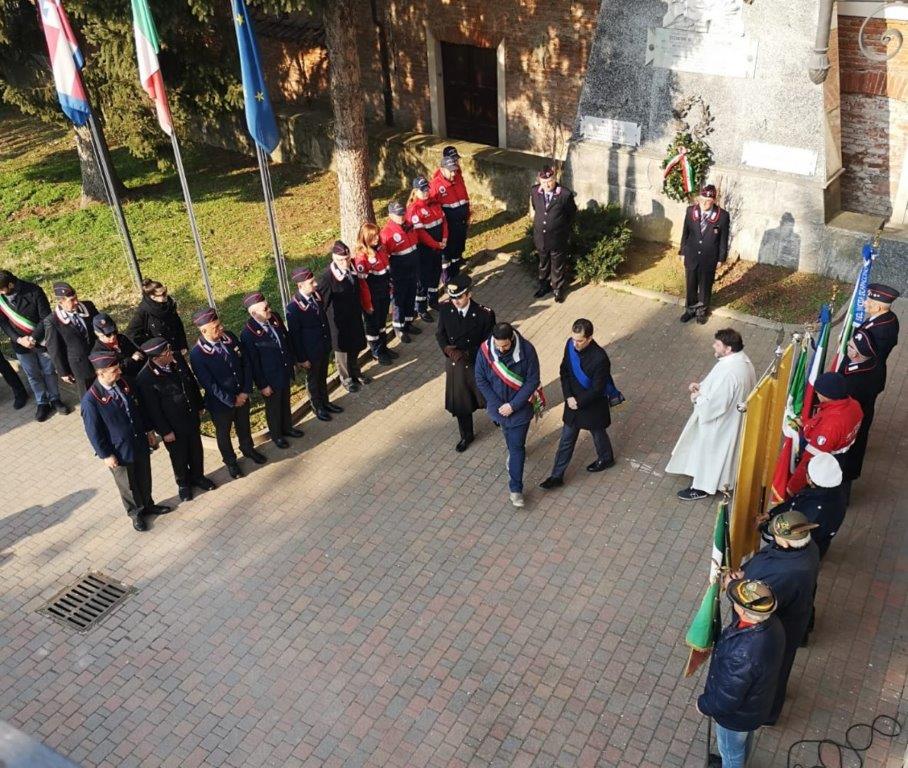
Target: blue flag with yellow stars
(259, 114)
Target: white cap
(824, 471)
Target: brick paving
(371, 598)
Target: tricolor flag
(818, 362)
(259, 115)
(707, 625)
(65, 60)
(147, 47)
(794, 404)
(855, 314)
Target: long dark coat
(171, 401)
(345, 313)
(592, 404)
(864, 382)
(462, 396)
(69, 346)
(158, 318)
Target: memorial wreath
(685, 166)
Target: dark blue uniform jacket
(222, 371)
(112, 429)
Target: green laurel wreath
(699, 159)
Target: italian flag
(147, 47)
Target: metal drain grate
(84, 604)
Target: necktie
(703, 221)
(78, 323)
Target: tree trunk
(351, 151)
(92, 181)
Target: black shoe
(204, 484)
(363, 379)
(688, 315)
(42, 412)
(185, 493)
(463, 444)
(404, 337)
(702, 317)
(692, 494)
(413, 330)
(543, 290)
(598, 466)
(351, 386)
(714, 761)
(383, 358)
(559, 297)
(281, 442)
(20, 399)
(294, 432)
(616, 400)
(234, 471)
(254, 455)
(390, 353)
(322, 415)
(426, 317)
(159, 509)
(62, 408)
(332, 408)
(138, 522)
(551, 482)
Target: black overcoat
(592, 404)
(158, 318)
(68, 346)
(462, 397)
(345, 313)
(171, 400)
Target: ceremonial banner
(794, 403)
(147, 47)
(65, 60)
(817, 362)
(855, 313)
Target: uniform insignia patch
(397, 237)
(821, 440)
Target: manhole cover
(83, 605)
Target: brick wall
(297, 74)
(874, 117)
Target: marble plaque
(684, 50)
(777, 157)
(610, 131)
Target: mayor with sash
(585, 378)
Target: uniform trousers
(569, 435)
(186, 457)
(317, 381)
(699, 283)
(465, 424)
(380, 288)
(404, 277)
(348, 366)
(133, 481)
(553, 269)
(41, 375)
(11, 377)
(277, 412)
(236, 418)
(452, 256)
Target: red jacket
(398, 239)
(426, 214)
(368, 264)
(449, 194)
(832, 429)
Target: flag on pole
(147, 48)
(259, 114)
(706, 625)
(855, 314)
(818, 362)
(785, 465)
(65, 60)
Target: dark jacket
(863, 382)
(345, 313)
(592, 404)
(69, 346)
(824, 506)
(111, 430)
(497, 393)
(709, 247)
(743, 674)
(171, 400)
(30, 302)
(552, 224)
(158, 318)
(224, 376)
(125, 350)
(309, 329)
(271, 361)
(465, 334)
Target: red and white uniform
(398, 239)
(450, 195)
(376, 265)
(424, 216)
(832, 429)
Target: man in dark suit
(881, 322)
(585, 371)
(704, 245)
(221, 368)
(268, 351)
(108, 336)
(23, 309)
(116, 429)
(463, 325)
(170, 397)
(70, 336)
(310, 335)
(554, 210)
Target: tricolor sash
(513, 380)
(611, 391)
(20, 322)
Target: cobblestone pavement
(371, 598)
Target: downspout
(819, 65)
(385, 61)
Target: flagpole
(113, 200)
(279, 264)
(181, 172)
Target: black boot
(384, 345)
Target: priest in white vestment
(707, 450)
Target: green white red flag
(147, 47)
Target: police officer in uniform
(704, 245)
(863, 374)
(117, 430)
(70, 336)
(173, 405)
(881, 322)
(463, 325)
(221, 368)
(268, 351)
(554, 211)
(128, 354)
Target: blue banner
(259, 114)
(868, 255)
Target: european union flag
(259, 115)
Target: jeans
(42, 378)
(734, 746)
(516, 440)
(569, 435)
